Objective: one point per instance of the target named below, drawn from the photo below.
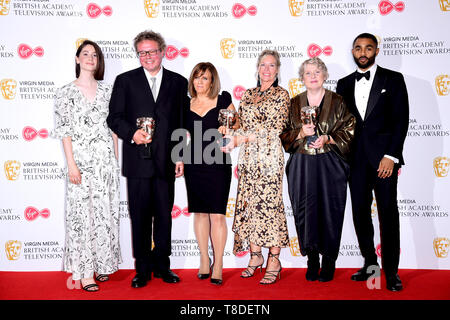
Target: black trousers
(150, 202)
(364, 179)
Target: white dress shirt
(158, 81)
(362, 92)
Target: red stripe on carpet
(418, 285)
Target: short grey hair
(315, 61)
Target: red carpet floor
(418, 285)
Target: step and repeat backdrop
(37, 48)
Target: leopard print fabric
(259, 217)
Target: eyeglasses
(151, 53)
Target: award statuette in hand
(227, 118)
(148, 125)
(310, 115)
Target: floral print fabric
(92, 207)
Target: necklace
(262, 93)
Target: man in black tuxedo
(379, 100)
(149, 91)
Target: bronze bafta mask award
(310, 115)
(148, 125)
(227, 118)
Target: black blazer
(383, 130)
(132, 98)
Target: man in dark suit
(149, 91)
(379, 100)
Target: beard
(369, 62)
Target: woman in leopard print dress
(260, 218)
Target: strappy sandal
(102, 277)
(246, 272)
(91, 285)
(272, 275)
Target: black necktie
(359, 75)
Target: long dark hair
(100, 71)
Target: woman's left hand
(231, 145)
(320, 142)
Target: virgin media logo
(172, 52)
(315, 50)
(25, 51)
(93, 10)
(239, 10)
(236, 172)
(31, 213)
(29, 133)
(378, 250)
(177, 211)
(241, 254)
(386, 7)
(238, 92)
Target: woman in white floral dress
(92, 200)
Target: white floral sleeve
(63, 121)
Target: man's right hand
(141, 137)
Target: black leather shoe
(394, 283)
(328, 268)
(216, 281)
(365, 273)
(312, 273)
(203, 276)
(140, 280)
(168, 276)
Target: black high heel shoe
(203, 276)
(215, 281)
(246, 272)
(274, 274)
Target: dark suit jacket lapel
(375, 91)
(146, 91)
(352, 105)
(164, 89)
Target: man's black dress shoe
(168, 276)
(366, 272)
(140, 280)
(394, 283)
